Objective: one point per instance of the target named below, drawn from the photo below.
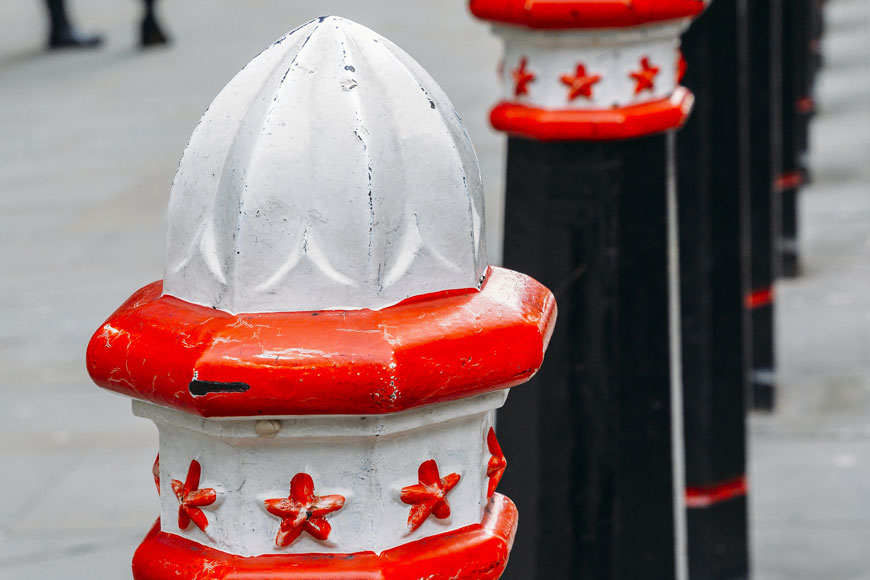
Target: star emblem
(580, 84)
(302, 511)
(522, 78)
(430, 495)
(645, 77)
(191, 498)
(497, 463)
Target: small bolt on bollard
(325, 354)
(590, 101)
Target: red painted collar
(425, 350)
(594, 124)
(584, 13)
(476, 552)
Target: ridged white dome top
(331, 173)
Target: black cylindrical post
(713, 199)
(798, 107)
(591, 102)
(766, 132)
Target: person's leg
(62, 34)
(152, 33)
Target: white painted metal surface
(611, 53)
(331, 173)
(367, 459)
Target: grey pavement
(810, 461)
(89, 142)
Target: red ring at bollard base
(479, 551)
(594, 124)
(584, 13)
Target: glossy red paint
(497, 462)
(522, 77)
(428, 349)
(645, 77)
(155, 471)
(701, 497)
(303, 511)
(584, 13)
(191, 498)
(580, 84)
(479, 551)
(594, 124)
(429, 497)
(758, 298)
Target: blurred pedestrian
(151, 32)
(62, 33)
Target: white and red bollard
(325, 355)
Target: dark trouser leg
(62, 33)
(152, 32)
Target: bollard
(590, 100)
(798, 107)
(766, 121)
(713, 159)
(325, 355)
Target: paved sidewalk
(89, 143)
(810, 462)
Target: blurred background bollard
(800, 58)
(766, 146)
(591, 99)
(325, 355)
(713, 159)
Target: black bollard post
(591, 101)
(766, 131)
(712, 153)
(798, 107)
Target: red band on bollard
(701, 497)
(759, 298)
(584, 13)
(479, 551)
(594, 124)
(215, 364)
(805, 105)
(790, 180)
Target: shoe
(152, 34)
(70, 38)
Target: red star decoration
(303, 511)
(580, 84)
(522, 78)
(430, 495)
(645, 77)
(497, 463)
(191, 498)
